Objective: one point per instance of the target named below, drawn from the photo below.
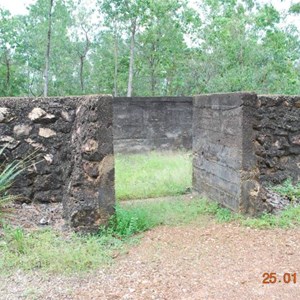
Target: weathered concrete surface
(152, 123)
(72, 141)
(225, 165)
(278, 138)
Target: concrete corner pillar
(224, 161)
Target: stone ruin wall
(241, 143)
(152, 123)
(71, 139)
(223, 170)
(278, 138)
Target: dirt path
(198, 261)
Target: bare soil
(203, 260)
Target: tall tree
(82, 35)
(113, 23)
(47, 57)
(149, 47)
(134, 13)
(11, 77)
(238, 50)
(47, 61)
(6, 43)
(162, 46)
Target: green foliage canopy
(179, 49)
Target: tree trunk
(131, 63)
(152, 68)
(82, 57)
(7, 63)
(81, 73)
(116, 62)
(46, 72)
(153, 83)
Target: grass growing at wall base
(288, 218)
(287, 188)
(50, 251)
(138, 217)
(152, 175)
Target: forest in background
(148, 48)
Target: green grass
(152, 175)
(137, 176)
(288, 218)
(53, 252)
(138, 217)
(50, 251)
(287, 188)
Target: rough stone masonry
(71, 139)
(241, 142)
(277, 144)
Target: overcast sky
(19, 6)
(16, 6)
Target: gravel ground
(203, 260)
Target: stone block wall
(278, 138)
(241, 142)
(152, 123)
(224, 161)
(71, 139)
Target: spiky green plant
(8, 174)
